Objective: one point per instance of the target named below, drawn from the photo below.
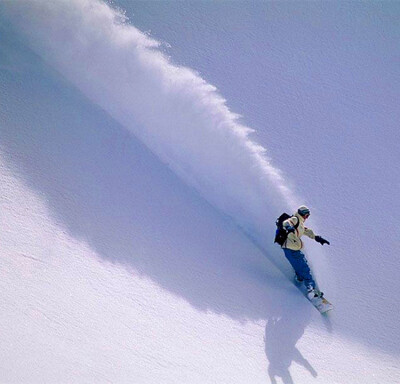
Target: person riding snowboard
(293, 245)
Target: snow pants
(298, 261)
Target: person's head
(304, 212)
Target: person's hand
(321, 240)
(290, 229)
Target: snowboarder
(293, 245)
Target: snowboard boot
(314, 293)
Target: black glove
(321, 240)
(290, 229)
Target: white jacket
(293, 240)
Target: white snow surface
(137, 210)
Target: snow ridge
(176, 113)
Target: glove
(290, 229)
(321, 240)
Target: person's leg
(305, 272)
(298, 279)
(298, 261)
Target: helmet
(303, 210)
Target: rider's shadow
(281, 335)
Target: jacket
(293, 240)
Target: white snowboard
(321, 304)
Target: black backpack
(281, 234)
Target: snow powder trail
(177, 114)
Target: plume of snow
(177, 114)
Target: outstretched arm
(310, 233)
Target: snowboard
(322, 304)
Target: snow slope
(324, 76)
(118, 268)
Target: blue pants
(298, 261)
